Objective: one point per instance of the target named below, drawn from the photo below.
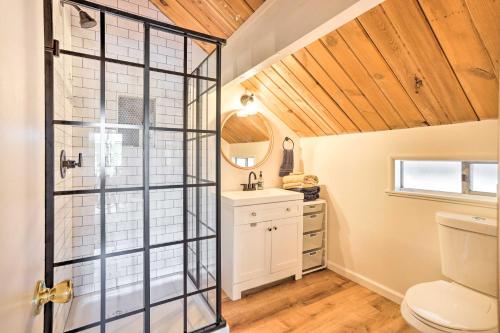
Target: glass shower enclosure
(132, 172)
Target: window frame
(398, 186)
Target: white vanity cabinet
(261, 239)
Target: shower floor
(166, 318)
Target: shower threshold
(165, 318)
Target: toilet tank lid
(478, 224)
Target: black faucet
(250, 186)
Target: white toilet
(468, 247)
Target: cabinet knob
(288, 209)
(254, 214)
(269, 229)
(275, 228)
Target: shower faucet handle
(69, 164)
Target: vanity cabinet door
(285, 244)
(252, 251)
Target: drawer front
(267, 212)
(312, 259)
(313, 222)
(313, 208)
(312, 241)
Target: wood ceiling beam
(321, 54)
(282, 27)
(254, 4)
(277, 107)
(282, 76)
(484, 15)
(331, 88)
(467, 55)
(290, 104)
(366, 52)
(316, 122)
(361, 78)
(419, 39)
(331, 109)
(387, 40)
(181, 17)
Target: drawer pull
(313, 253)
(312, 216)
(312, 206)
(254, 214)
(275, 228)
(269, 229)
(313, 235)
(288, 209)
(253, 224)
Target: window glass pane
(484, 177)
(444, 176)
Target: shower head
(86, 21)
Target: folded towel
(297, 185)
(301, 178)
(310, 194)
(311, 197)
(311, 179)
(293, 178)
(293, 185)
(287, 164)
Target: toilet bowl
(468, 257)
(442, 306)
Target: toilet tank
(468, 246)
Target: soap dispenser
(260, 182)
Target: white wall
(22, 166)
(392, 241)
(232, 177)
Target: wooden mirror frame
(271, 140)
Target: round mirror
(247, 140)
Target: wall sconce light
(249, 107)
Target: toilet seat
(441, 306)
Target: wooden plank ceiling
(405, 63)
(219, 18)
(245, 129)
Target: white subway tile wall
(77, 98)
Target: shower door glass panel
(133, 166)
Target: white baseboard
(367, 283)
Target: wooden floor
(321, 302)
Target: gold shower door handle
(60, 293)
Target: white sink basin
(270, 195)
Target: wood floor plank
(453, 26)
(320, 302)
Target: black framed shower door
(135, 225)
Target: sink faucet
(250, 186)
